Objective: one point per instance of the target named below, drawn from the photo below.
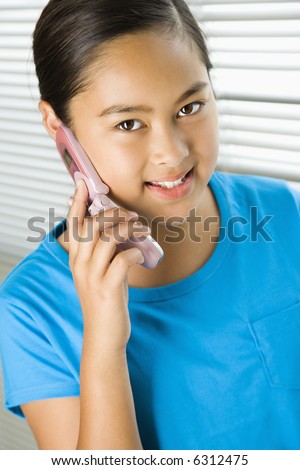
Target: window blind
(255, 49)
(32, 177)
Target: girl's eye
(191, 108)
(134, 125)
(129, 126)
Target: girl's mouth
(173, 190)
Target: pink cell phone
(80, 167)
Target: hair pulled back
(70, 33)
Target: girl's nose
(169, 146)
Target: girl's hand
(100, 271)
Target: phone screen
(70, 163)
(68, 159)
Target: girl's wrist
(100, 349)
(102, 337)
(107, 366)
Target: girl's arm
(107, 414)
(104, 416)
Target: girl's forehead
(146, 57)
(145, 45)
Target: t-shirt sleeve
(296, 196)
(32, 369)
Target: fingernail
(133, 213)
(78, 183)
(137, 225)
(70, 201)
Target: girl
(201, 352)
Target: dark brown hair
(70, 33)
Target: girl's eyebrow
(123, 108)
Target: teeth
(169, 184)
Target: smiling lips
(169, 191)
(170, 182)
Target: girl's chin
(172, 217)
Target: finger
(92, 227)
(76, 217)
(117, 273)
(116, 215)
(121, 232)
(108, 243)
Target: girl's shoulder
(269, 192)
(42, 274)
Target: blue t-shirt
(214, 359)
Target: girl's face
(149, 115)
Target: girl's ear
(50, 120)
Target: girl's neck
(183, 258)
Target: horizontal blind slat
(267, 28)
(10, 29)
(18, 42)
(260, 125)
(9, 127)
(236, 166)
(21, 117)
(259, 109)
(265, 155)
(38, 180)
(14, 60)
(18, 103)
(39, 166)
(249, 12)
(256, 60)
(257, 85)
(264, 140)
(19, 92)
(21, 5)
(234, 2)
(18, 16)
(252, 44)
